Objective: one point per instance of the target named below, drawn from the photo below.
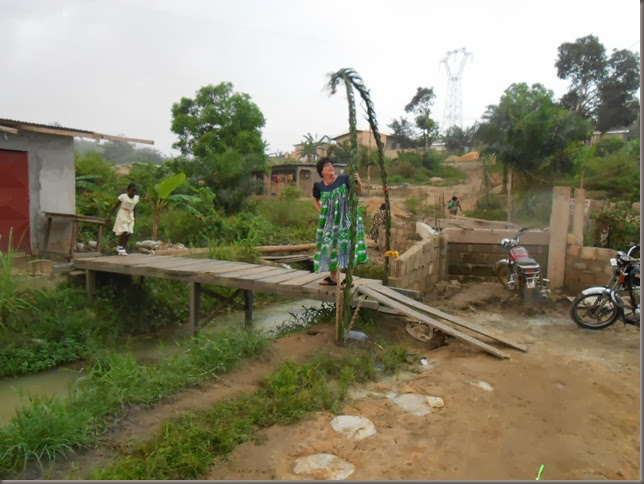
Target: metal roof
(64, 131)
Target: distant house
(37, 175)
(301, 175)
(392, 144)
(616, 133)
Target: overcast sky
(116, 66)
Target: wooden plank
(289, 274)
(172, 262)
(90, 283)
(233, 266)
(255, 269)
(387, 301)
(277, 271)
(454, 319)
(81, 134)
(7, 129)
(303, 280)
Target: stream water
(57, 382)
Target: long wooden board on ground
(453, 319)
(403, 309)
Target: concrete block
(589, 253)
(580, 266)
(482, 270)
(460, 269)
(475, 258)
(573, 251)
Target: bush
(291, 192)
(606, 146)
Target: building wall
(586, 267)
(52, 183)
(424, 261)
(472, 254)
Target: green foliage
(217, 120)
(186, 446)
(11, 300)
(458, 140)
(606, 146)
(309, 147)
(487, 213)
(617, 174)
(527, 128)
(602, 89)
(50, 428)
(291, 193)
(622, 223)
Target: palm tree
(309, 147)
(352, 80)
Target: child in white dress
(124, 223)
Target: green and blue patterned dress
(333, 234)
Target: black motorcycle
(600, 306)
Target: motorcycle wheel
(594, 311)
(503, 274)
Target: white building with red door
(37, 175)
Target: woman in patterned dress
(331, 199)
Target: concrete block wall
(586, 267)
(472, 254)
(423, 264)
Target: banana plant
(160, 195)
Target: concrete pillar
(578, 217)
(559, 219)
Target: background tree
(309, 147)
(221, 143)
(421, 106)
(529, 130)
(216, 120)
(404, 131)
(340, 151)
(601, 89)
(458, 139)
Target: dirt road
(570, 403)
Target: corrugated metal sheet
(15, 122)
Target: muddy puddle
(57, 382)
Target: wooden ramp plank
(387, 301)
(454, 319)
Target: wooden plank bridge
(246, 278)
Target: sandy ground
(570, 403)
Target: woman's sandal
(327, 281)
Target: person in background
(124, 223)
(331, 199)
(454, 205)
(378, 221)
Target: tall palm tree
(352, 80)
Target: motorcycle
(600, 306)
(520, 273)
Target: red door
(14, 200)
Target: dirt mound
(373, 205)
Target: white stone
(484, 385)
(413, 403)
(435, 402)
(326, 467)
(354, 427)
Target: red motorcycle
(520, 273)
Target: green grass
(46, 427)
(184, 448)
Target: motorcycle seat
(526, 261)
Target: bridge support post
(248, 307)
(195, 302)
(90, 283)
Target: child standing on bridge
(124, 223)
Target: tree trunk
(505, 179)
